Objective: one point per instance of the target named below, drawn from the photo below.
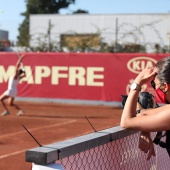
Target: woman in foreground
(151, 120)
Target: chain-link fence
(110, 149)
(121, 154)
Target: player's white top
(12, 83)
(12, 87)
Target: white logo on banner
(137, 64)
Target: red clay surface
(49, 123)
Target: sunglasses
(153, 84)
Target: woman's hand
(146, 144)
(22, 56)
(145, 75)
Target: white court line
(21, 151)
(39, 128)
(11, 154)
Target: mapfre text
(90, 76)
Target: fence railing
(110, 149)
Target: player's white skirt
(11, 93)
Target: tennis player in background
(11, 92)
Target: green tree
(38, 7)
(80, 11)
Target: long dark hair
(21, 71)
(163, 73)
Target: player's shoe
(5, 113)
(20, 113)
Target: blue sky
(10, 18)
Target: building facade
(4, 42)
(149, 30)
(3, 35)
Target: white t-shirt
(12, 87)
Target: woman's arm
(18, 63)
(150, 111)
(145, 141)
(146, 144)
(129, 110)
(158, 120)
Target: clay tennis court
(49, 123)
